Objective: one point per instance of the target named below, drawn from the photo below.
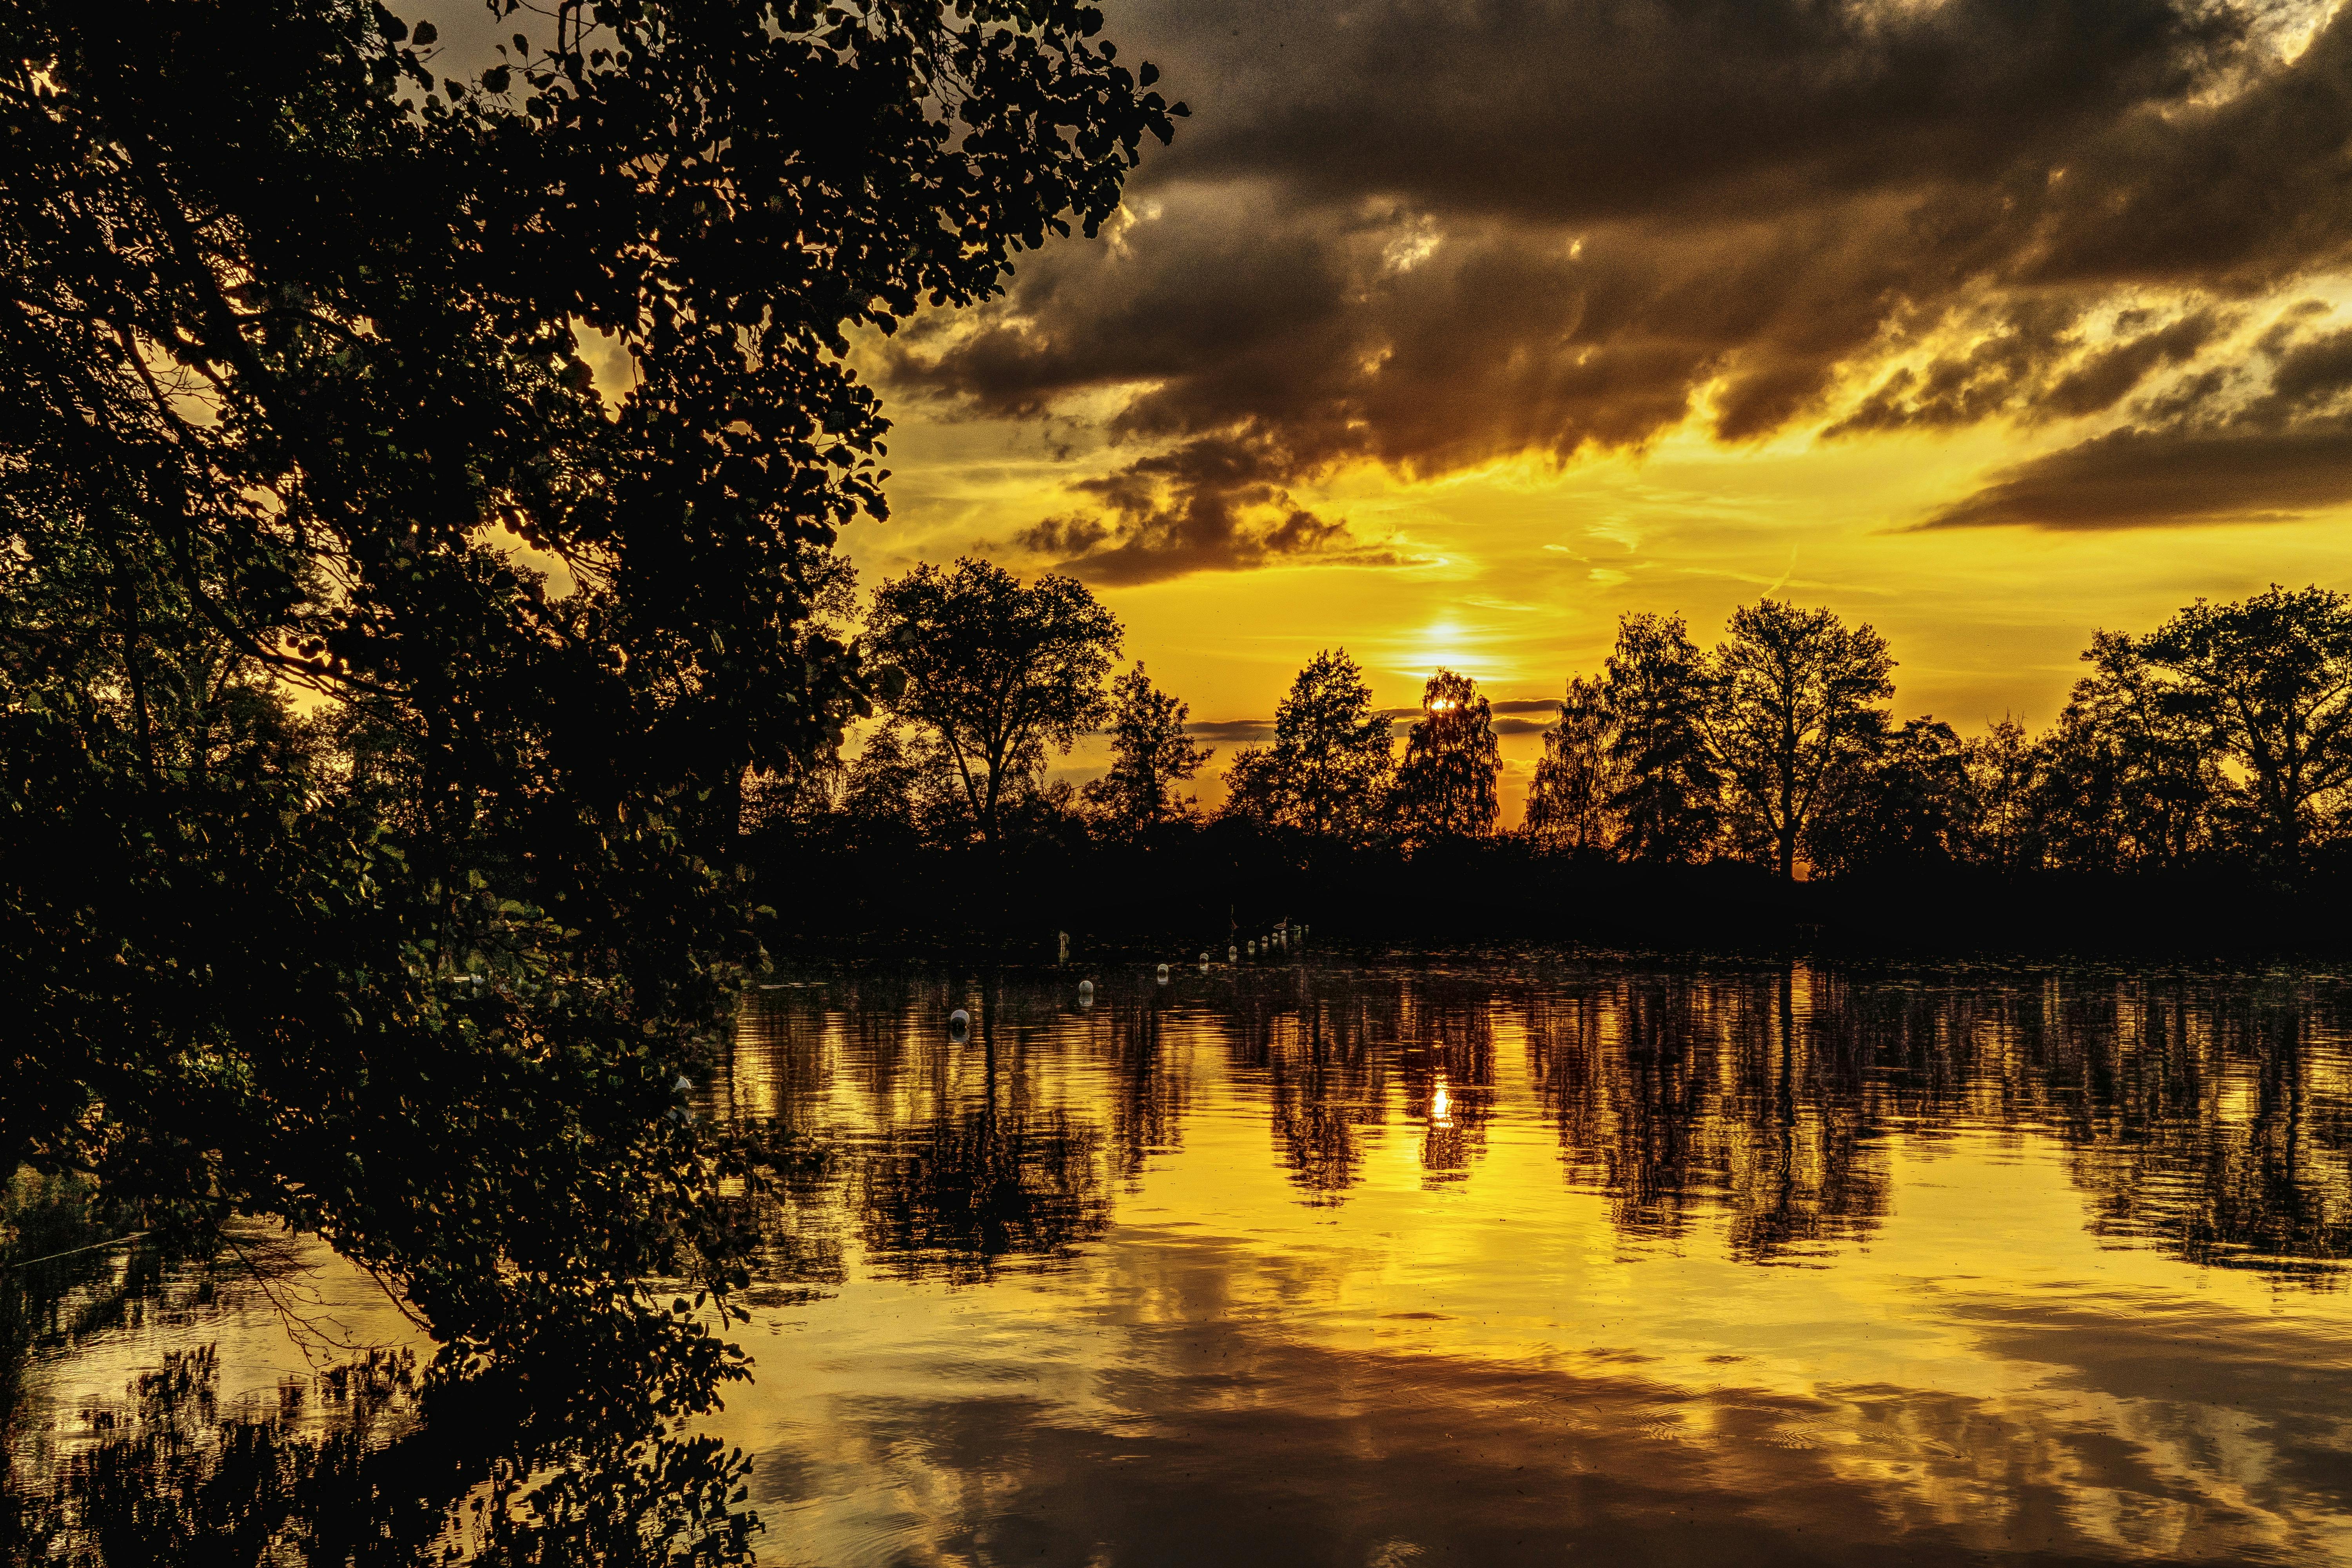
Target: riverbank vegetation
(375, 682)
(2193, 795)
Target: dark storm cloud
(1432, 235)
(1215, 503)
(2229, 452)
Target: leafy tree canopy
(1151, 757)
(2267, 684)
(997, 671)
(1328, 767)
(1446, 787)
(1794, 710)
(372, 681)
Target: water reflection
(1493, 1263)
(1498, 1263)
(2209, 1118)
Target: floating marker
(959, 1024)
(1204, 961)
(1233, 955)
(1253, 947)
(1085, 993)
(1163, 974)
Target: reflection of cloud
(1475, 1452)
(1652, 213)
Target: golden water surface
(1548, 1260)
(1554, 1262)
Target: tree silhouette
(1446, 787)
(2268, 682)
(2128, 782)
(1792, 710)
(2004, 770)
(293, 350)
(1657, 689)
(1904, 800)
(997, 671)
(1327, 769)
(1572, 801)
(1151, 757)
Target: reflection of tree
(1148, 1099)
(1323, 1061)
(2200, 1117)
(1681, 1094)
(953, 1198)
(2209, 1124)
(374, 1459)
(2209, 1117)
(1446, 1058)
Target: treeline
(2193, 788)
(2218, 741)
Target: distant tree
(1150, 756)
(1658, 690)
(2003, 824)
(2127, 780)
(1327, 768)
(1253, 786)
(898, 789)
(1446, 787)
(996, 671)
(1901, 797)
(1792, 712)
(2268, 682)
(1571, 804)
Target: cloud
(2222, 454)
(1232, 732)
(1214, 504)
(1430, 233)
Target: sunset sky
(1449, 333)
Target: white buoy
(1163, 974)
(1204, 961)
(1233, 955)
(959, 1024)
(1085, 993)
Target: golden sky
(1449, 334)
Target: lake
(1544, 1260)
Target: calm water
(1551, 1262)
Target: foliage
(352, 870)
(1327, 770)
(1658, 690)
(1792, 714)
(2266, 684)
(1571, 800)
(1151, 757)
(1445, 786)
(1904, 800)
(996, 672)
(2128, 782)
